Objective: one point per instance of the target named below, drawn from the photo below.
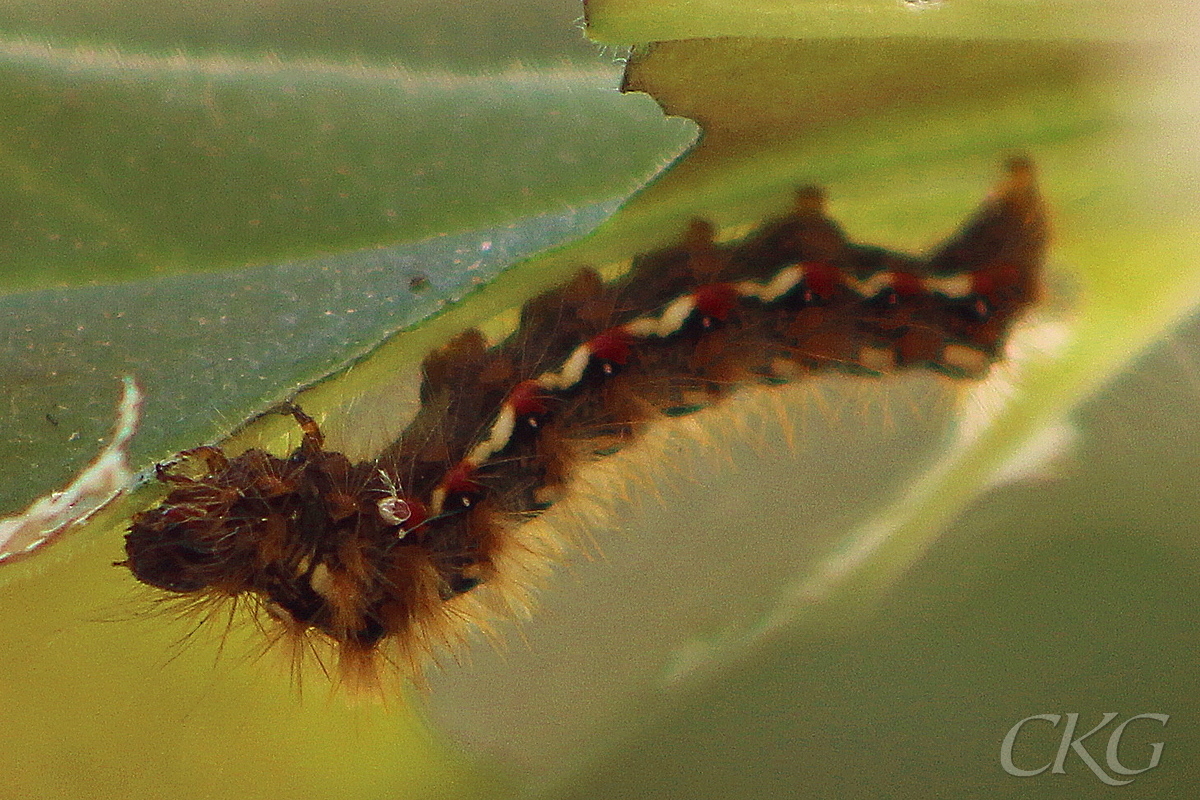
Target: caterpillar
(382, 559)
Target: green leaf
(121, 167)
(639, 21)
(453, 159)
(703, 619)
(481, 37)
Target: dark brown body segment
(371, 553)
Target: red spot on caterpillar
(528, 399)
(906, 285)
(613, 346)
(418, 513)
(989, 283)
(984, 283)
(716, 300)
(821, 279)
(461, 480)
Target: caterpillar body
(382, 559)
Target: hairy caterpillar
(381, 558)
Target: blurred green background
(233, 167)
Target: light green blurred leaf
(905, 133)
(640, 21)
